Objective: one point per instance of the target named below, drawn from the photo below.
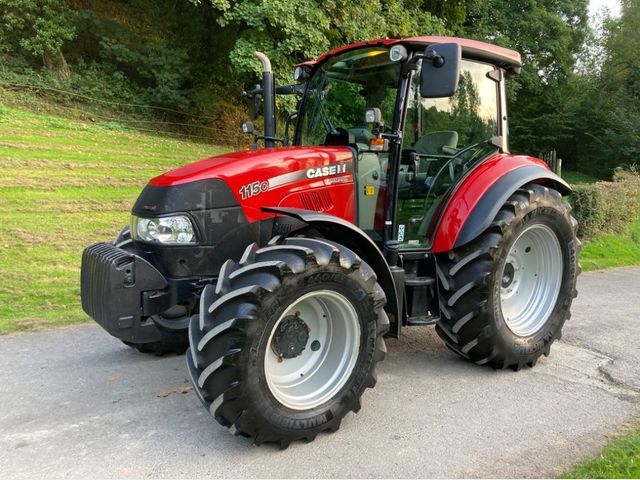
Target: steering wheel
(453, 162)
(451, 165)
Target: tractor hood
(254, 164)
(268, 176)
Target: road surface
(78, 403)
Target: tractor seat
(437, 143)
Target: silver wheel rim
(531, 280)
(321, 369)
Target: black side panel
(491, 202)
(226, 241)
(222, 228)
(186, 197)
(347, 234)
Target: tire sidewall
(547, 214)
(342, 281)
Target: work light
(398, 53)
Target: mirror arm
(436, 59)
(290, 117)
(393, 136)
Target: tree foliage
(197, 56)
(36, 28)
(601, 104)
(291, 31)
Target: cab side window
(443, 138)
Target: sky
(596, 5)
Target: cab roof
(474, 49)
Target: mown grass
(619, 459)
(64, 185)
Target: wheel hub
(507, 275)
(291, 337)
(531, 280)
(300, 376)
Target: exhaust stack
(269, 99)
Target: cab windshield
(340, 91)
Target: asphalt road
(75, 402)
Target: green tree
(549, 34)
(290, 31)
(614, 117)
(37, 28)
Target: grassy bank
(64, 185)
(609, 250)
(619, 459)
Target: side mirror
(253, 99)
(440, 70)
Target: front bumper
(122, 291)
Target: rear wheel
(505, 296)
(287, 341)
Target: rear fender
(477, 200)
(347, 234)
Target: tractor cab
(417, 113)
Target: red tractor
(397, 204)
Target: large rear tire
(287, 341)
(505, 296)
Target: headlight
(173, 230)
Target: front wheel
(505, 297)
(287, 341)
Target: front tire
(287, 341)
(505, 296)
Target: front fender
(347, 234)
(475, 202)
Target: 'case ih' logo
(327, 171)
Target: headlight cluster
(172, 230)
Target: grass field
(619, 459)
(577, 177)
(609, 250)
(64, 185)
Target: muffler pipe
(269, 100)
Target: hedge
(607, 207)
